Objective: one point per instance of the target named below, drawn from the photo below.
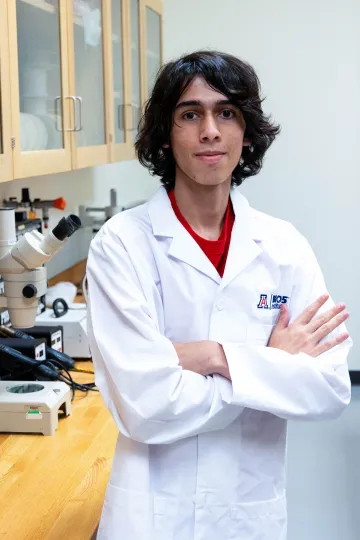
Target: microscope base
(33, 406)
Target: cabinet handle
(74, 105)
(126, 126)
(80, 126)
(58, 100)
(135, 114)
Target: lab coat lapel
(246, 238)
(183, 247)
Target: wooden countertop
(53, 487)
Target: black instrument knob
(29, 291)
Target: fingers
(325, 317)
(328, 327)
(284, 317)
(330, 344)
(311, 310)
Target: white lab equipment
(72, 319)
(22, 265)
(203, 457)
(74, 323)
(96, 216)
(33, 407)
(29, 406)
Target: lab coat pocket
(258, 334)
(263, 520)
(135, 515)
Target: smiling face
(207, 136)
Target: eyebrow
(199, 103)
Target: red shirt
(215, 250)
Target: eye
(190, 116)
(228, 114)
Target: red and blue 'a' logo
(275, 301)
(263, 304)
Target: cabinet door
(151, 44)
(6, 172)
(135, 44)
(120, 98)
(88, 25)
(39, 86)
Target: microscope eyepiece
(66, 227)
(74, 223)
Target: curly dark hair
(228, 75)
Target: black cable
(70, 381)
(18, 374)
(60, 356)
(88, 386)
(50, 352)
(67, 380)
(44, 369)
(62, 359)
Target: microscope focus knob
(29, 291)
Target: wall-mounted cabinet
(6, 171)
(74, 77)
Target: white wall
(324, 477)
(306, 54)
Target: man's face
(207, 136)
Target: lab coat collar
(245, 239)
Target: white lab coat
(201, 458)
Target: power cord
(45, 367)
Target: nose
(209, 130)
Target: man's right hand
(305, 334)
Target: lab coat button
(220, 304)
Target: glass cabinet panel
(118, 71)
(135, 65)
(153, 46)
(4, 98)
(39, 60)
(89, 102)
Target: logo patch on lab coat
(274, 302)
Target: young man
(209, 323)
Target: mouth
(210, 156)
